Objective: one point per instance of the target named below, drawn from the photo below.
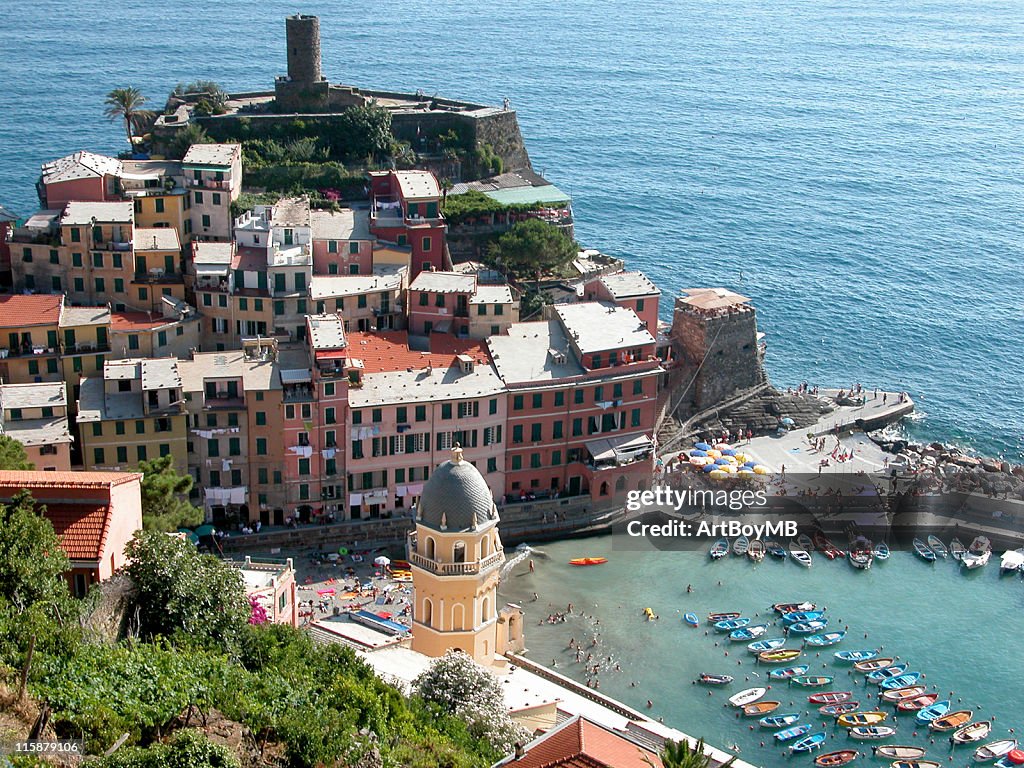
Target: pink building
(632, 290)
(406, 210)
(83, 177)
(95, 515)
(273, 587)
(439, 303)
(342, 243)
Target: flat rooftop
(82, 214)
(597, 326)
(444, 282)
(326, 331)
(95, 405)
(76, 317)
(211, 154)
(711, 299)
(43, 395)
(417, 185)
(213, 253)
(425, 385)
(628, 285)
(534, 352)
(80, 165)
(255, 374)
(156, 239)
(291, 212)
(39, 431)
(160, 373)
(346, 224)
(385, 277)
(492, 294)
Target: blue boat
(750, 632)
(880, 675)
(923, 551)
(775, 549)
(728, 625)
(882, 551)
(766, 645)
(825, 638)
(901, 682)
(855, 656)
(778, 721)
(809, 743)
(798, 616)
(792, 732)
(788, 672)
(808, 627)
(719, 549)
(936, 710)
(691, 619)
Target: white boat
(994, 750)
(972, 560)
(800, 556)
(957, 549)
(1012, 560)
(749, 696)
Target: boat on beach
(719, 549)
(972, 732)
(899, 752)
(935, 545)
(871, 732)
(933, 711)
(852, 719)
(811, 681)
(904, 694)
(952, 721)
(740, 546)
(747, 696)
(759, 708)
(852, 657)
(728, 625)
(872, 664)
(825, 639)
(809, 743)
(787, 672)
(756, 550)
(836, 759)
(779, 721)
(957, 549)
(750, 632)
(834, 710)
(924, 551)
(994, 750)
(766, 645)
(709, 679)
(779, 655)
(792, 732)
(917, 703)
(830, 697)
(588, 561)
(799, 555)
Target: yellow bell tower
(456, 557)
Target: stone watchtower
(456, 557)
(304, 89)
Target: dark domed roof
(456, 498)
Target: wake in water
(523, 551)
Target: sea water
(961, 629)
(853, 166)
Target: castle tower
(303, 35)
(456, 556)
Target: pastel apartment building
(133, 412)
(36, 415)
(94, 514)
(405, 210)
(365, 302)
(213, 178)
(342, 243)
(456, 303)
(272, 585)
(29, 338)
(633, 290)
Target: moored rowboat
(900, 682)
(588, 561)
(792, 607)
(855, 656)
(808, 627)
(929, 713)
(728, 625)
(691, 619)
(748, 696)
(756, 550)
(778, 721)
(839, 709)
(918, 702)
(835, 759)
(719, 549)
(779, 656)
(994, 750)
(830, 697)
(740, 546)
(811, 681)
(760, 708)
(972, 732)
(792, 732)
(936, 546)
(714, 618)
(852, 719)
(872, 732)
(825, 639)
(957, 549)
(750, 632)
(881, 675)
(951, 721)
(809, 743)
(898, 752)
(914, 764)
(800, 556)
(787, 672)
(872, 664)
(923, 551)
(766, 645)
(904, 694)
(709, 679)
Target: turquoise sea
(854, 166)
(962, 630)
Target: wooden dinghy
(951, 721)
(839, 709)
(918, 702)
(830, 697)
(787, 672)
(748, 696)
(871, 732)
(898, 752)
(904, 694)
(759, 708)
(872, 664)
(779, 721)
(779, 656)
(860, 718)
(915, 764)
(972, 732)
(835, 759)
(811, 681)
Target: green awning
(528, 195)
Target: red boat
(830, 697)
(588, 561)
(918, 703)
(716, 617)
(825, 546)
(835, 759)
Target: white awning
(295, 376)
(211, 269)
(621, 446)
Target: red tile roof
(136, 321)
(81, 528)
(55, 480)
(249, 259)
(580, 743)
(17, 310)
(389, 351)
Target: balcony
(26, 350)
(84, 348)
(111, 245)
(208, 184)
(158, 276)
(222, 402)
(298, 394)
(471, 568)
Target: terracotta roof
(249, 259)
(18, 311)
(579, 743)
(81, 528)
(136, 321)
(712, 298)
(27, 479)
(389, 351)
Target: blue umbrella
(702, 447)
(722, 460)
(750, 464)
(788, 422)
(728, 452)
(698, 453)
(709, 467)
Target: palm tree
(679, 754)
(125, 104)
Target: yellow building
(134, 412)
(157, 191)
(456, 557)
(84, 345)
(157, 269)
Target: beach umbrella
(761, 469)
(205, 530)
(715, 454)
(698, 453)
(746, 472)
(731, 459)
(710, 467)
(723, 447)
(702, 446)
(788, 422)
(731, 469)
(190, 535)
(719, 475)
(750, 464)
(722, 460)
(382, 561)
(741, 458)
(699, 461)
(728, 451)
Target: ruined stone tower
(303, 35)
(304, 89)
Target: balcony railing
(458, 569)
(226, 403)
(26, 351)
(111, 245)
(208, 183)
(84, 348)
